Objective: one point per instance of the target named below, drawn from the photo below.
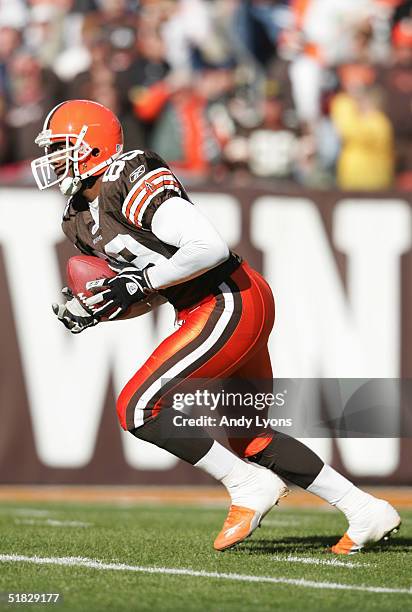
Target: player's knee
(125, 411)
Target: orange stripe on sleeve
(143, 187)
(158, 189)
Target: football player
(130, 209)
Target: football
(81, 269)
(84, 268)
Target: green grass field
(290, 548)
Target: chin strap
(70, 185)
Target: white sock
(248, 485)
(330, 485)
(232, 472)
(338, 491)
(353, 503)
(219, 462)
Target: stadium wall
(340, 266)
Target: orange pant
(223, 336)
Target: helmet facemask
(75, 151)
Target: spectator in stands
(113, 22)
(75, 57)
(185, 132)
(366, 160)
(143, 84)
(162, 65)
(188, 26)
(268, 150)
(13, 14)
(4, 133)
(102, 84)
(396, 80)
(11, 38)
(44, 33)
(32, 91)
(98, 73)
(116, 24)
(258, 25)
(149, 65)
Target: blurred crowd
(317, 92)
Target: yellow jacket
(367, 156)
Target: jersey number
(116, 168)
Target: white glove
(73, 314)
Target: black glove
(74, 315)
(118, 293)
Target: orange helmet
(93, 139)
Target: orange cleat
(375, 522)
(239, 524)
(252, 498)
(345, 546)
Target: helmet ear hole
(95, 152)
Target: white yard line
(315, 561)
(280, 523)
(25, 511)
(52, 523)
(100, 565)
(31, 512)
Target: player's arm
(199, 246)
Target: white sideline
(30, 512)
(315, 561)
(25, 511)
(100, 565)
(51, 523)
